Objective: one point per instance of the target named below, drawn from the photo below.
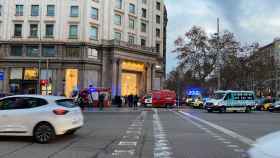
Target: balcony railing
(118, 43)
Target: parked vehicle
(224, 101)
(160, 98)
(198, 103)
(259, 103)
(266, 147)
(42, 117)
(275, 107)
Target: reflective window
(34, 10)
(32, 51)
(48, 51)
(16, 51)
(50, 10)
(74, 11)
(73, 31)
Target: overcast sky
(250, 20)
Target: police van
(233, 101)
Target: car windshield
(218, 95)
(68, 103)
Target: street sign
(1, 76)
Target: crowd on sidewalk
(88, 98)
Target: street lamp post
(219, 54)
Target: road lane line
(126, 143)
(228, 132)
(161, 145)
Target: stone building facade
(56, 46)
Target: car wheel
(43, 133)
(248, 110)
(201, 106)
(223, 110)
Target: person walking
(130, 100)
(135, 101)
(101, 101)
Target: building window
(158, 32)
(73, 52)
(48, 51)
(73, 31)
(1, 9)
(92, 53)
(50, 10)
(94, 13)
(131, 39)
(118, 36)
(143, 27)
(158, 47)
(74, 11)
(18, 30)
(94, 33)
(16, 51)
(49, 30)
(144, 12)
(131, 24)
(34, 10)
(158, 19)
(118, 4)
(144, 1)
(143, 42)
(19, 10)
(33, 30)
(158, 5)
(131, 8)
(32, 51)
(118, 19)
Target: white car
(266, 147)
(42, 117)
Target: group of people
(84, 98)
(130, 101)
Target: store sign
(1, 76)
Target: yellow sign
(133, 66)
(71, 81)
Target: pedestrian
(135, 101)
(130, 100)
(101, 101)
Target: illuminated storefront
(131, 77)
(23, 80)
(71, 81)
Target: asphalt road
(152, 133)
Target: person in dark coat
(101, 98)
(130, 100)
(135, 101)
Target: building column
(149, 77)
(115, 77)
(6, 86)
(119, 77)
(60, 82)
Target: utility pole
(219, 54)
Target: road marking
(161, 146)
(228, 132)
(127, 143)
(225, 142)
(131, 137)
(123, 152)
(232, 146)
